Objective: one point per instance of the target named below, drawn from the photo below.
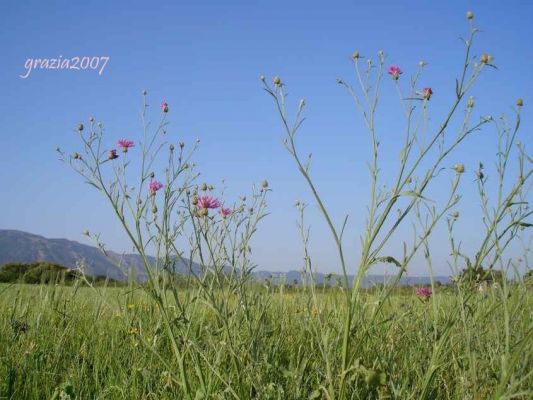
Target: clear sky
(204, 58)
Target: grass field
(110, 343)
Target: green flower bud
(459, 168)
(485, 58)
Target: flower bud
(112, 154)
(80, 127)
(202, 212)
(459, 168)
(469, 15)
(194, 200)
(91, 119)
(86, 233)
(145, 92)
(182, 145)
(262, 77)
(171, 147)
(455, 215)
(470, 102)
(264, 184)
(422, 63)
(203, 187)
(76, 156)
(485, 58)
(154, 209)
(519, 102)
(277, 81)
(355, 55)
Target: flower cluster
(395, 72)
(207, 202)
(154, 186)
(125, 144)
(424, 293)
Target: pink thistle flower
(112, 154)
(426, 93)
(125, 144)
(207, 202)
(395, 72)
(154, 186)
(164, 107)
(225, 212)
(424, 293)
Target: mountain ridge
(26, 247)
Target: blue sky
(204, 59)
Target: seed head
(459, 168)
(485, 58)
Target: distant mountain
(296, 277)
(18, 246)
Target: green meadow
(110, 343)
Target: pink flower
(164, 107)
(125, 144)
(423, 292)
(426, 93)
(154, 186)
(395, 71)
(225, 212)
(207, 202)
